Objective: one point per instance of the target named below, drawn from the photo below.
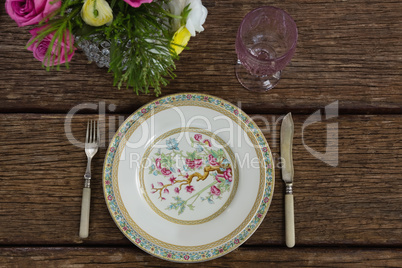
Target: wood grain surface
(347, 211)
(354, 203)
(349, 51)
(244, 256)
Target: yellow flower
(180, 39)
(96, 12)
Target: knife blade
(287, 131)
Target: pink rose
(39, 49)
(137, 3)
(197, 137)
(30, 12)
(197, 163)
(190, 188)
(166, 172)
(158, 163)
(215, 191)
(212, 160)
(190, 163)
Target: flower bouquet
(138, 40)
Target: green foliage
(140, 38)
(140, 52)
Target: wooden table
(346, 215)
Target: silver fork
(91, 148)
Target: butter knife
(287, 130)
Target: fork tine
(91, 132)
(87, 136)
(94, 132)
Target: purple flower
(30, 12)
(60, 49)
(137, 3)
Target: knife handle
(85, 208)
(289, 221)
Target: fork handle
(289, 221)
(85, 208)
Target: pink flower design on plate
(212, 160)
(172, 179)
(190, 188)
(177, 190)
(158, 163)
(228, 174)
(215, 191)
(166, 172)
(197, 163)
(207, 142)
(197, 137)
(166, 191)
(190, 163)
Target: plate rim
(264, 203)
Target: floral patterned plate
(188, 177)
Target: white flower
(96, 12)
(196, 17)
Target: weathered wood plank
(356, 203)
(348, 51)
(256, 257)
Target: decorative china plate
(188, 177)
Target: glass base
(253, 82)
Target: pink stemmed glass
(265, 44)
